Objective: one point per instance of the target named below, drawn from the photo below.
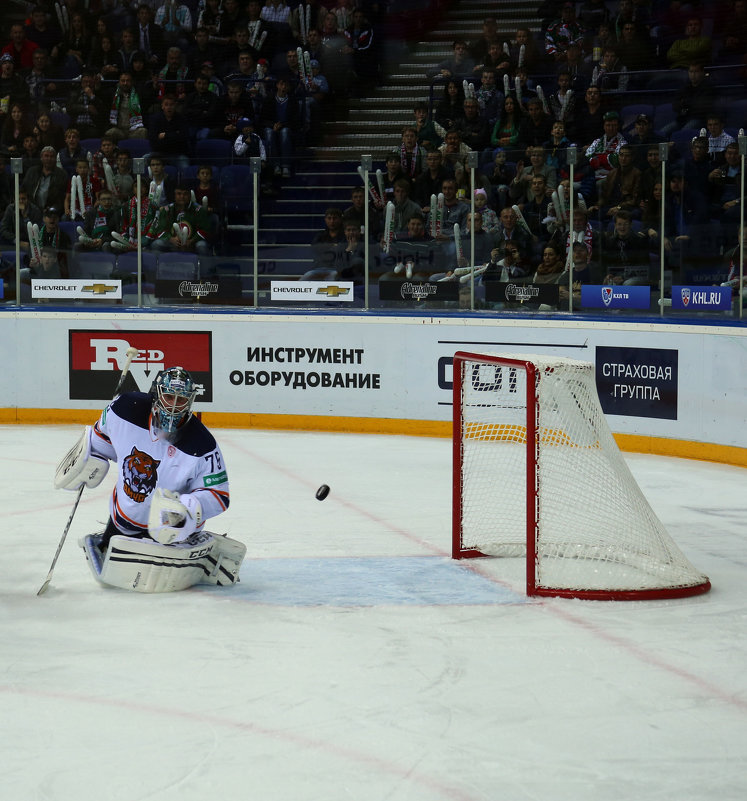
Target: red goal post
(537, 475)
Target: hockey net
(538, 475)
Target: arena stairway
(374, 123)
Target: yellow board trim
(633, 443)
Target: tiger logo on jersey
(140, 471)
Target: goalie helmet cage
(538, 475)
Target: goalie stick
(131, 353)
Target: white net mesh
(595, 529)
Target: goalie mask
(173, 393)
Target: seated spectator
(13, 88)
(355, 213)
(602, 152)
(692, 47)
(625, 253)
(562, 32)
(126, 114)
(611, 75)
(556, 147)
(489, 217)
(506, 129)
(162, 185)
(172, 77)
(20, 49)
(91, 188)
(416, 250)
(521, 190)
(15, 128)
(169, 133)
(193, 223)
(535, 210)
(28, 213)
(479, 47)
(698, 166)
(489, 99)
(652, 172)
(524, 51)
(430, 180)
(127, 50)
(551, 267)
(500, 177)
(454, 211)
(86, 106)
(635, 52)
(107, 153)
(580, 271)
(693, 102)
(718, 139)
(510, 231)
(453, 150)
(429, 133)
(175, 20)
(279, 119)
(40, 79)
(202, 49)
(508, 264)
(73, 51)
(562, 101)
(72, 152)
(621, 189)
(30, 152)
(412, 156)
(150, 36)
(104, 59)
(535, 126)
(642, 137)
(328, 246)
(589, 119)
(235, 105)
(393, 172)
(451, 106)
(48, 133)
(124, 180)
(98, 223)
(404, 208)
(52, 236)
(473, 128)
(459, 65)
(484, 242)
(206, 189)
(46, 184)
(201, 109)
(726, 180)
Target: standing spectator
(360, 36)
(535, 126)
(232, 107)
(693, 102)
(473, 128)
(488, 97)
(698, 167)
(625, 253)
(412, 156)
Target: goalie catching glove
(173, 517)
(80, 467)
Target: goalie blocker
(143, 565)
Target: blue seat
(70, 227)
(96, 265)
(137, 148)
(216, 152)
(663, 115)
(235, 184)
(177, 266)
(127, 264)
(736, 114)
(629, 113)
(91, 145)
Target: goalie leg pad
(143, 565)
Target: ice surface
(355, 660)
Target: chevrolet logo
(332, 291)
(99, 289)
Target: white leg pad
(146, 566)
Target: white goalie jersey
(193, 464)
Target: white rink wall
(676, 382)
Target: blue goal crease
(366, 581)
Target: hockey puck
(322, 492)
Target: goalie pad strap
(79, 466)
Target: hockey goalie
(171, 479)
